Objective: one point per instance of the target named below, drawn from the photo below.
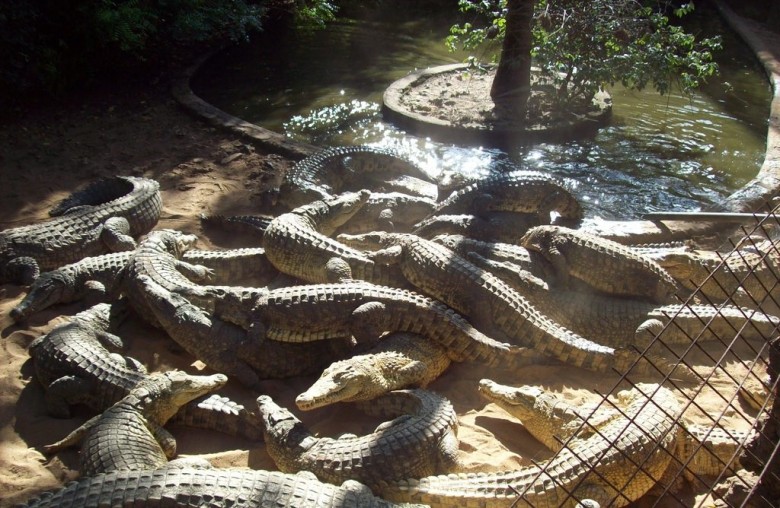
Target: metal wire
(724, 284)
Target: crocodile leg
(115, 234)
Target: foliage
(584, 46)
(50, 45)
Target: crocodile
(389, 211)
(365, 311)
(520, 257)
(123, 207)
(505, 227)
(130, 435)
(619, 322)
(93, 280)
(701, 449)
(747, 275)
(298, 243)
(530, 192)
(99, 278)
(344, 168)
(399, 360)
(606, 265)
(613, 466)
(208, 488)
(75, 366)
(496, 308)
(159, 258)
(420, 440)
(227, 347)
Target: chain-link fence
(707, 435)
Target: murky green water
(660, 153)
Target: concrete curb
(263, 138)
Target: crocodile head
(282, 429)
(175, 242)
(373, 240)
(334, 212)
(47, 290)
(162, 394)
(342, 381)
(518, 401)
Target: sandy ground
(51, 151)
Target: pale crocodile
(701, 449)
(75, 366)
(362, 310)
(349, 168)
(298, 243)
(613, 466)
(399, 360)
(747, 275)
(604, 264)
(495, 307)
(420, 440)
(130, 435)
(208, 488)
(531, 192)
(619, 322)
(106, 216)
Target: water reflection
(660, 153)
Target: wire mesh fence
(708, 438)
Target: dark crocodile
(75, 366)
(400, 360)
(208, 488)
(159, 258)
(507, 227)
(530, 261)
(420, 440)
(389, 211)
(227, 347)
(603, 264)
(99, 278)
(298, 243)
(106, 216)
(363, 310)
(346, 168)
(94, 279)
(531, 192)
(249, 226)
(130, 435)
(495, 307)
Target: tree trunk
(512, 84)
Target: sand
(53, 149)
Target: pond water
(659, 153)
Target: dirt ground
(139, 130)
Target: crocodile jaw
(512, 399)
(328, 390)
(186, 387)
(46, 291)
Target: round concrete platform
(402, 112)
